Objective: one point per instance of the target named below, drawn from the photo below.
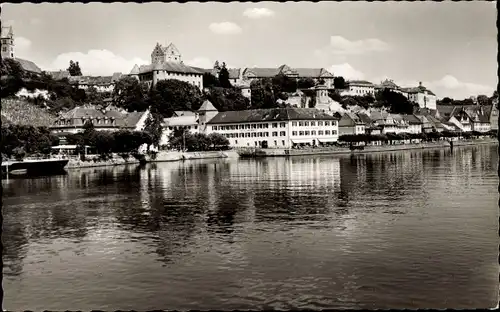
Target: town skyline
(450, 57)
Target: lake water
(408, 229)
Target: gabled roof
(116, 76)
(172, 67)
(91, 80)
(82, 112)
(262, 72)
(207, 106)
(234, 73)
(349, 120)
(312, 72)
(184, 113)
(270, 115)
(180, 121)
(29, 66)
(365, 118)
(412, 119)
(58, 75)
(387, 84)
(363, 83)
(419, 89)
(6, 31)
(131, 119)
(135, 70)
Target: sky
(451, 47)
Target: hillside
(21, 112)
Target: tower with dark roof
(7, 42)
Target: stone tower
(7, 42)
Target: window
(282, 125)
(334, 123)
(275, 125)
(327, 123)
(266, 134)
(320, 123)
(307, 133)
(275, 143)
(275, 133)
(283, 142)
(313, 132)
(266, 126)
(306, 123)
(301, 123)
(282, 133)
(320, 132)
(235, 141)
(301, 132)
(313, 124)
(247, 126)
(254, 134)
(254, 126)
(294, 133)
(241, 135)
(294, 124)
(334, 132)
(327, 132)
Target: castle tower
(7, 42)
(172, 54)
(158, 55)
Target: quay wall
(277, 152)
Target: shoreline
(175, 156)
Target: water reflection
(332, 224)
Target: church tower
(7, 42)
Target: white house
(276, 127)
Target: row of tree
(182, 139)
(358, 138)
(19, 140)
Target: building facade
(422, 96)
(166, 63)
(275, 128)
(110, 119)
(358, 88)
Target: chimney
(420, 84)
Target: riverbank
(277, 152)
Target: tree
(218, 141)
(483, 100)
(282, 83)
(89, 133)
(210, 80)
(262, 94)
(224, 77)
(74, 68)
(93, 96)
(397, 102)
(130, 94)
(339, 82)
(170, 95)
(227, 99)
(305, 83)
(153, 126)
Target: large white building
(166, 63)
(276, 127)
(424, 97)
(193, 122)
(358, 88)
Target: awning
(327, 140)
(298, 141)
(66, 146)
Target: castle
(166, 63)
